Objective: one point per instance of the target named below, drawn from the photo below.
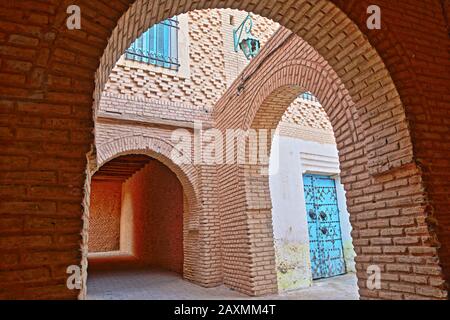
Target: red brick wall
(414, 46)
(104, 216)
(153, 201)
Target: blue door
(324, 227)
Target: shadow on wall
(104, 222)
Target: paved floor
(163, 285)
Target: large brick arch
(359, 69)
(267, 96)
(46, 104)
(187, 174)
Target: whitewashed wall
(290, 159)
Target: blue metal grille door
(326, 250)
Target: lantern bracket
(249, 45)
(246, 26)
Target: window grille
(158, 45)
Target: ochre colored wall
(153, 217)
(104, 219)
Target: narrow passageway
(164, 285)
(136, 218)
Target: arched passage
(372, 105)
(378, 205)
(136, 212)
(136, 202)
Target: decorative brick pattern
(309, 114)
(212, 62)
(150, 110)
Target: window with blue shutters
(158, 45)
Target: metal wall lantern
(249, 45)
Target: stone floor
(163, 285)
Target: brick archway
(50, 74)
(358, 82)
(381, 222)
(355, 77)
(281, 88)
(156, 148)
(161, 150)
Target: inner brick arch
(158, 149)
(285, 86)
(287, 81)
(346, 50)
(280, 88)
(187, 174)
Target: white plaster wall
(290, 159)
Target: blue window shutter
(166, 44)
(140, 47)
(153, 44)
(158, 45)
(145, 46)
(161, 44)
